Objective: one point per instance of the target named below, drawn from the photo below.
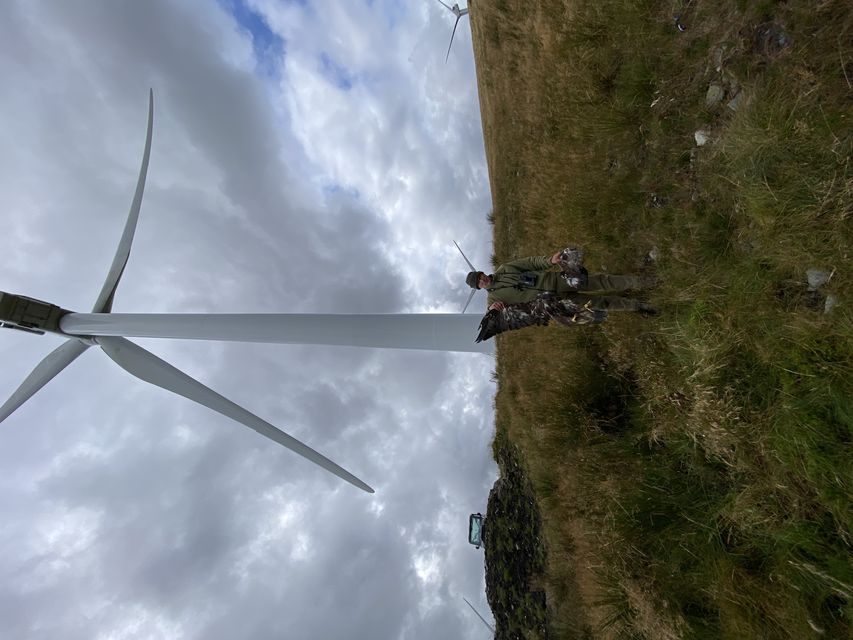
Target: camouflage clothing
(524, 279)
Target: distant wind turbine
(443, 332)
(455, 10)
(488, 626)
(473, 268)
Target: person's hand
(496, 306)
(555, 259)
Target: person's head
(477, 280)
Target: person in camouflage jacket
(523, 279)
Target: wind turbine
(488, 626)
(455, 10)
(444, 332)
(473, 268)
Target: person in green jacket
(524, 279)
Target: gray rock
(771, 39)
(718, 57)
(714, 96)
(830, 303)
(817, 278)
(702, 136)
(731, 83)
(651, 257)
(735, 102)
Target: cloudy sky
(308, 156)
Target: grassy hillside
(693, 470)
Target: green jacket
(507, 287)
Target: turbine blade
(148, 367)
(468, 301)
(104, 304)
(446, 5)
(473, 268)
(429, 331)
(488, 626)
(451, 39)
(44, 372)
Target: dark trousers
(599, 283)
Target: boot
(645, 309)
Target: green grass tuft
(694, 471)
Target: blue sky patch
(333, 190)
(268, 46)
(339, 75)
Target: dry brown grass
(681, 463)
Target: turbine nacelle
(28, 314)
(455, 10)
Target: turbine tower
(109, 331)
(455, 10)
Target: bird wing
(571, 259)
(511, 318)
(538, 312)
(571, 267)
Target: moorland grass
(694, 471)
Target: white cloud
(133, 513)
